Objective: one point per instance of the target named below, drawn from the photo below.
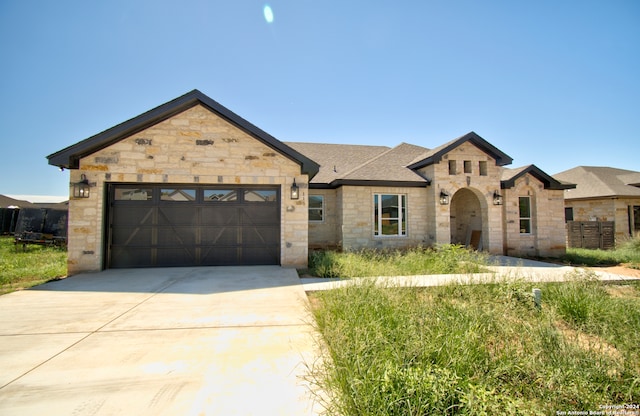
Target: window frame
(321, 209)
(525, 218)
(402, 218)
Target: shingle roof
(69, 157)
(509, 177)
(600, 181)
(357, 164)
(434, 155)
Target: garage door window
(133, 194)
(181, 195)
(260, 196)
(220, 195)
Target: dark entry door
(183, 225)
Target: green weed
(22, 268)
(445, 259)
(478, 349)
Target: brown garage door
(183, 225)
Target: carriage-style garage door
(182, 225)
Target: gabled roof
(69, 157)
(362, 165)
(336, 159)
(435, 155)
(509, 177)
(601, 182)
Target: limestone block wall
(605, 209)
(193, 147)
(548, 232)
(475, 171)
(325, 234)
(357, 218)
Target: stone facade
(193, 147)
(548, 236)
(471, 178)
(607, 209)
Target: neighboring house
(604, 194)
(191, 183)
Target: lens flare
(268, 13)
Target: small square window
(452, 167)
(482, 166)
(467, 166)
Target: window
(634, 219)
(220, 195)
(256, 195)
(316, 208)
(467, 166)
(133, 194)
(390, 215)
(568, 214)
(525, 215)
(452, 167)
(482, 166)
(180, 195)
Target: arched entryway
(466, 219)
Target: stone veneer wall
(482, 186)
(548, 232)
(604, 209)
(325, 234)
(193, 147)
(357, 217)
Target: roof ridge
(368, 162)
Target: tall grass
(22, 268)
(478, 349)
(444, 259)
(627, 252)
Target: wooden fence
(591, 234)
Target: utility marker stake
(537, 298)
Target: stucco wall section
(193, 147)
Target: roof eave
(362, 182)
(69, 157)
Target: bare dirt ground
(625, 271)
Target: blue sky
(553, 83)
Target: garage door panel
(172, 236)
(183, 226)
(220, 214)
(179, 214)
(224, 235)
(131, 235)
(260, 236)
(123, 257)
(222, 256)
(175, 257)
(131, 215)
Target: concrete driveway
(174, 341)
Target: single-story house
(604, 194)
(192, 183)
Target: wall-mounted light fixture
(444, 197)
(497, 198)
(82, 188)
(295, 191)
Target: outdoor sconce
(81, 189)
(444, 198)
(497, 198)
(295, 191)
